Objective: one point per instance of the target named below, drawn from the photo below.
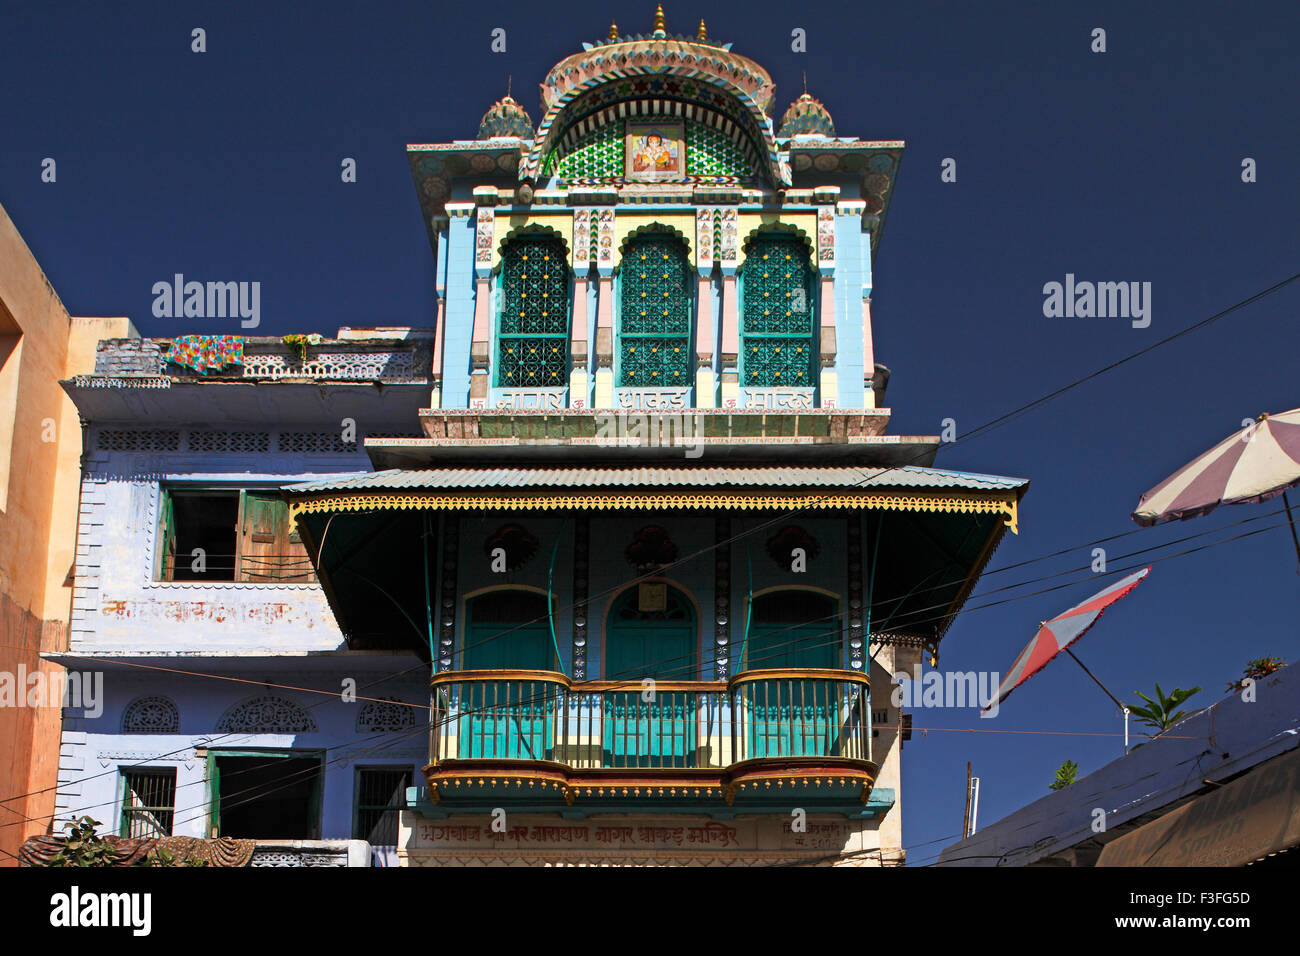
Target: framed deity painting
(655, 151)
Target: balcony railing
(663, 725)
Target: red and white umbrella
(1059, 633)
(1259, 462)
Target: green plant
(1257, 669)
(1162, 713)
(161, 856)
(298, 344)
(1065, 775)
(83, 846)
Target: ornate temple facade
(619, 556)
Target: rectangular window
(229, 535)
(148, 802)
(272, 795)
(381, 795)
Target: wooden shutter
(166, 536)
(270, 549)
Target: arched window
(655, 305)
(533, 331)
(776, 326)
(508, 629)
(793, 628)
(659, 642)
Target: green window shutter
(777, 348)
(655, 305)
(533, 330)
(166, 536)
(269, 547)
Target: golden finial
(703, 34)
(661, 28)
(613, 30)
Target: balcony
(763, 740)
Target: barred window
(148, 802)
(381, 795)
(533, 333)
(777, 315)
(655, 313)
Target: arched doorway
(509, 628)
(793, 628)
(651, 632)
(792, 715)
(514, 718)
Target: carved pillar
(856, 569)
(722, 597)
(581, 572)
(481, 340)
(826, 327)
(448, 567)
(707, 231)
(604, 397)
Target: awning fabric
(1254, 816)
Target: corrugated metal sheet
(829, 477)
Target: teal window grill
(776, 286)
(655, 298)
(533, 331)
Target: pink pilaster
(482, 312)
(730, 319)
(703, 321)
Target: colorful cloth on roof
(207, 353)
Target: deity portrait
(655, 152)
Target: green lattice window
(712, 152)
(777, 318)
(598, 154)
(533, 333)
(654, 313)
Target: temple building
(618, 557)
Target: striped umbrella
(1059, 633)
(1259, 462)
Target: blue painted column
(459, 295)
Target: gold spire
(703, 33)
(661, 28)
(613, 30)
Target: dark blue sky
(1117, 166)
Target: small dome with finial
(506, 118)
(804, 117)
